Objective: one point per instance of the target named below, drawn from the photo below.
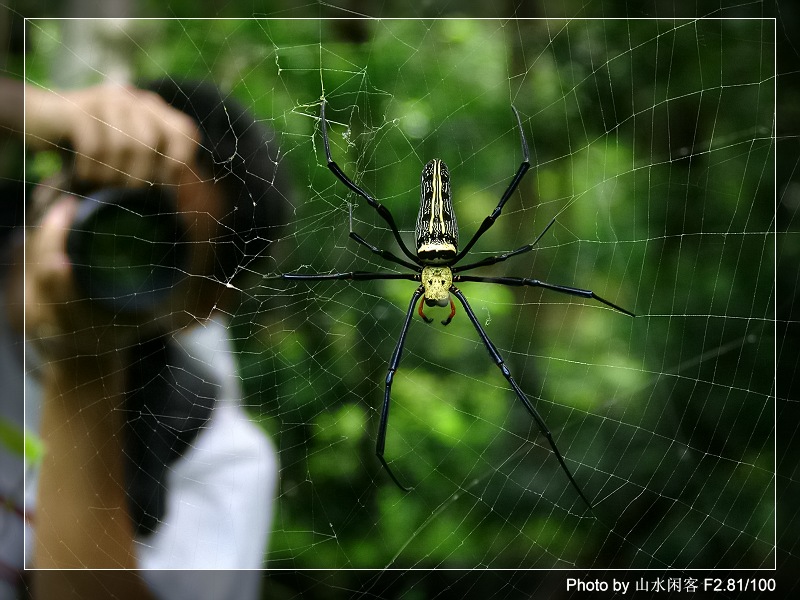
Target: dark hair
(241, 155)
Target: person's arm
(82, 519)
(117, 134)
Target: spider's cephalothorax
(436, 268)
(437, 283)
(437, 230)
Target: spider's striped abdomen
(437, 229)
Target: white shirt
(220, 491)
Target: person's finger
(139, 156)
(87, 141)
(179, 140)
(49, 282)
(102, 144)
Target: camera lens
(128, 247)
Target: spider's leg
(501, 257)
(385, 254)
(495, 354)
(387, 394)
(561, 289)
(523, 168)
(341, 176)
(353, 275)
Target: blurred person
(149, 460)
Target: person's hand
(121, 135)
(62, 325)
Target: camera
(128, 248)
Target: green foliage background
(652, 144)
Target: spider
(435, 265)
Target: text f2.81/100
(733, 584)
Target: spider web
(652, 145)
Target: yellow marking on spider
(437, 200)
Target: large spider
(435, 266)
